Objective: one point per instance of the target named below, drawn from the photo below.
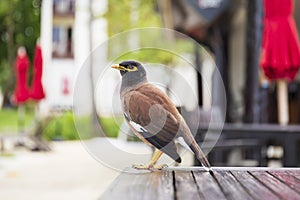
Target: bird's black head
(132, 72)
(130, 66)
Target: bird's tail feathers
(191, 142)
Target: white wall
(57, 69)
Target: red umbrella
(21, 93)
(281, 50)
(37, 91)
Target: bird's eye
(132, 68)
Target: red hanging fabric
(21, 93)
(281, 50)
(37, 91)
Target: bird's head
(130, 66)
(132, 72)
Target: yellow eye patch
(132, 70)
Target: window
(62, 42)
(63, 7)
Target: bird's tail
(190, 140)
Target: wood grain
(231, 188)
(186, 187)
(278, 187)
(208, 186)
(288, 179)
(148, 186)
(196, 183)
(295, 173)
(255, 188)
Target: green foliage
(149, 56)
(6, 155)
(118, 11)
(61, 128)
(4, 74)
(24, 17)
(111, 125)
(125, 15)
(57, 128)
(20, 26)
(9, 120)
(131, 14)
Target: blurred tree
(124, 15)
(20, 26)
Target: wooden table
(195, 183)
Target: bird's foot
(150, 167)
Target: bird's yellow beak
(118, 67)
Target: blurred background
(55, 54)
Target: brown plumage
(152, 115)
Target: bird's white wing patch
(134, 125)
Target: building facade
(65, 41)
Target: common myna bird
(152, 116)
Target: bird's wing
(151, 109)
(150, 113)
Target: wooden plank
(148, 186)
(231, 188)
(279, 188)
(196, 183)
(186, 187)
(208, 187)
(253, 186)
(294, 173)
(201, 169)
(164, 185)
(288, 179)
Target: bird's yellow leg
(152, 164)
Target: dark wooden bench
(196, 183)
(268, 134)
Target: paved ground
(68, 172)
